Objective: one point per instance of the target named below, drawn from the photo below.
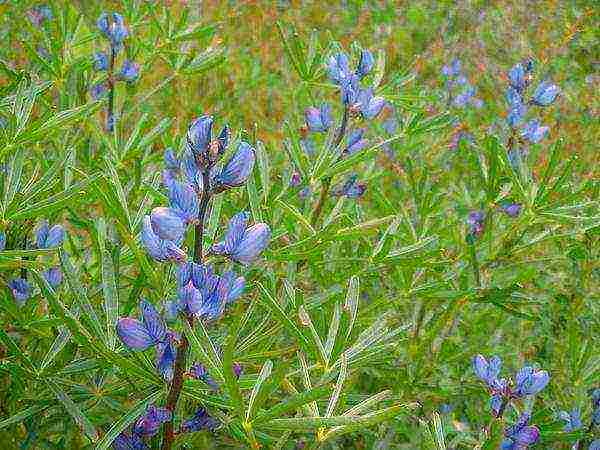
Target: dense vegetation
(286, 225)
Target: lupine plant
(262, 226)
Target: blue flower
(530, 381)
(129, 71)
(350, 90)
(200, 421)
(338, 68)
(452, 69)
(545, 94)
(183, 198)
(355, 141)
(172, 164)
(476, 221)
(199, 372)
(114, 29)
(160, 249)
(533, 132)
(487, 371)
(47, 237)
(516, 77)
(141, 335)
(243, 244)
(237, 170)
(365, 64)
(520, 436)
(100, 61)
(39, 14)
(572, 419)
(148, 424)
(21, 290)
(168, 223)
(2, 241)
(127, 441)
(511, 209)
(368, 105)
(596, 406)
(516, 113)
(318, 119)
(165, 356)
(595, 445)
(199, 136)
(53, 276)
(351, 188)
(98, 90)
(202, 293)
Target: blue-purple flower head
(53, 276)
(365, 64)
(511, 209)
(453, 69)
(141, 335)
(351, 188)
(237, 170)
(242, 243)
(21, 290)
(199, 135)
(369, 105)
(318, 119)
(114, 29)
(168, 223)
(183, 198)
(517, 109)
(100, 61)
(355, 141)
(572, 420)
(162, 250)
(200, 421)
(521, 435)
(530, 381)
(350, 90)
(98, 90)
(39, 14)
(148, 424)
(204, 294)
(130, 71)
(198, 371)
(519, 75)
(47, 237)
(595, 445)
(2, 241)
(534, 132)
(487, 371)
(545, 94)
(596, 406)
(475, 222)
(338, 68)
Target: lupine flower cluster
(46, 238)
(520, 78)
(146, 426)
(359, 102)
(113, 28)
(574, 422)
(460, 93)
(202, 294)
(39, 14)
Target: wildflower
(530, 381)
(237, 369)
(487, 371)
(53, 276)
(596, 406)
(475, 221)
(199, 136)
(114, 29)
(467, 96)
(148, 424)
(355, 141)
(39, 14)
(295, 179)
(129, 71)
(595, 445)
(100, 61)
(452, 69)
(168, 223)
(533, 132)
(318, 119)
(545, 94)
(368, 105)
(511, 209)
(47, 237)
(572, 419)
(520, 436)
(141, 335)
(350, 90)
(2, 241)
(200, 421)
(172, 164)
(21, 290)
(127, 441)
(183, 199)
(202, 293)
(351, 188)
(237, 170)
(516, 114)
(243, 244)
(338, 68)
(165, 355)
(98, 90)
(365, 64)
(516, 77)
(199, 372)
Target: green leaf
(74, 411)
(109, 287)
(21, 416)
(231, 382)
(253, 405)
(292, 403)
(205, 349)
(15, 350)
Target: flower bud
(167, 223)
(318, 119)
(545, 94)
(237, 170)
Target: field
(299, 225)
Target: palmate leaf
(74, 411)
